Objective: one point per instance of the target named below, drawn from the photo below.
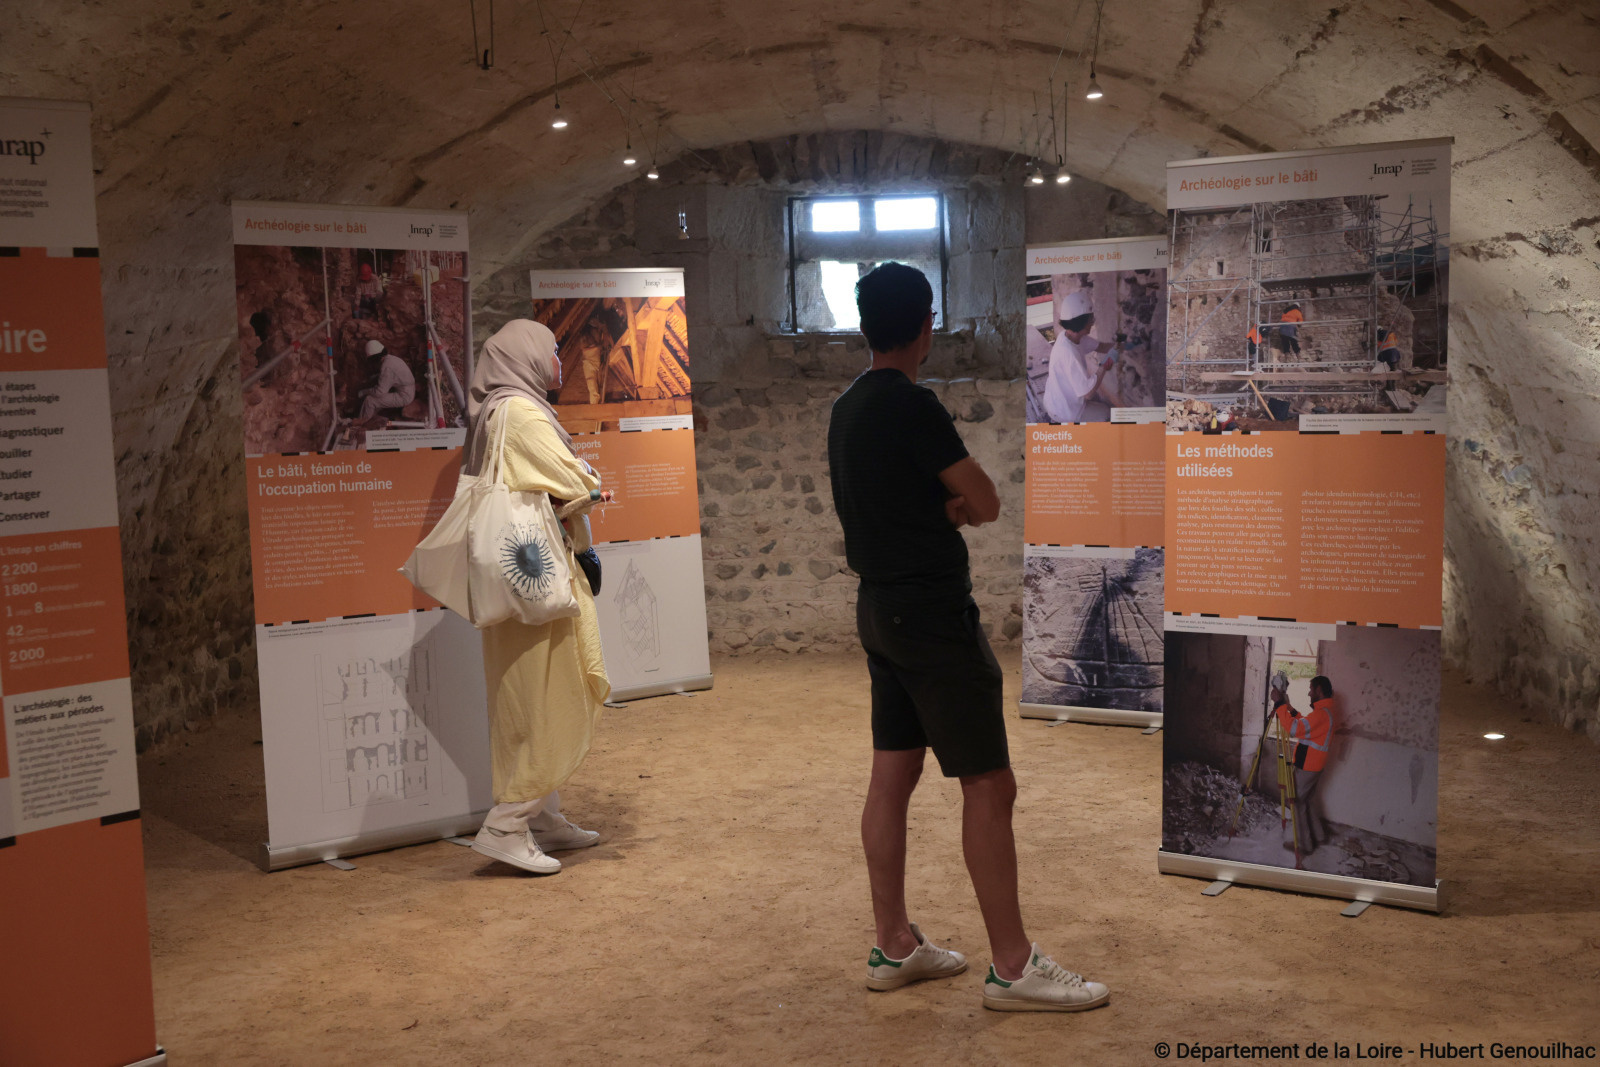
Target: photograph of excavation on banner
(339, 342)
(1316, 755)
(1330, 306)
(1091, 631)
(1096, 341)
(621, 357)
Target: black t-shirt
(888, 439)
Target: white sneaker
(1044, 986)
(926, 961)
(554, 833)
(516, 847)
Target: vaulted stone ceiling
(202, 101)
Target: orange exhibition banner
(73, 921)
(354, 329)
(1307, 319)
(1301, 527)
(1094, 484)
(1092, 525)
(622, 336)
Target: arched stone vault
(204, 101)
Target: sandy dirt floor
(725, 918)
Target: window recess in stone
(834, 240)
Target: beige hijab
(519, 360)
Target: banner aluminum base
(1101, 716)
(1341, 886)
(277, 859)
(658, 689)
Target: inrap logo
(426, 231)
(30, 149)
(1388, 168)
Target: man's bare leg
(883, 837)
(991, 853)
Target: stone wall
(774, 556)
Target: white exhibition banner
(1307, 369)
(625, 397)
(1092, 558)
(73, 920)
(355, 334)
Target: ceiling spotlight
(1095, 92)
(628, 158)
(652, 173)
(1495, 737)
(1062, 177)
(1035, 175)
(559, 122)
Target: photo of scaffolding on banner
(1307, 375)
(1092, 557)
(1327, 306)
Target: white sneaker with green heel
(926, 961)
(1045, 985)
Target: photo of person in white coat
(1077, 370)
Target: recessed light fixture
(1495, 736)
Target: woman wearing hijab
(546, 683)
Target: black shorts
(935, 684)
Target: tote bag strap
(495, 473)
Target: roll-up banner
(623, 341)
(1305, 451)
(354, 332)
(75, 987)
(1092, 559)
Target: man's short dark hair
(1079, 324)
(1320, 681)
(894, 301)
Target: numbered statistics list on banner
(71, 855)
(1092, 563)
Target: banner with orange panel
(73, 918)
(355, 353)
(1307, 355)
(1092, 558)
(622, 337)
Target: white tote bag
(496, 555)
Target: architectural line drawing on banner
(376, 716)
(641, 621)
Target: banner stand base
(277, 859)
(158, 1060)
(658, 689)
(1099, 716)
(1237, 872)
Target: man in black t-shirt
(904, 485)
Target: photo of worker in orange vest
(1388, 349)
(1310, 736)
(1289, 329)
(1252, 340)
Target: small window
(835, 240)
